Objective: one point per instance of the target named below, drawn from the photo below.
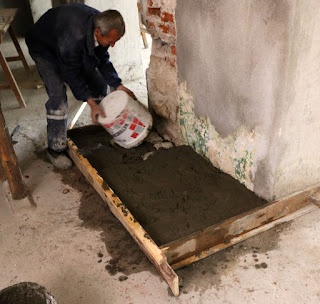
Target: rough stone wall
(162, 77)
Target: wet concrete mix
(173, 193)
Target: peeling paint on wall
(234, 155)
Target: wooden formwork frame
(205, 242)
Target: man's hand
(130, 93)
(95, 111)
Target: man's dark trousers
(57, 105)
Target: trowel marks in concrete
(173, 193)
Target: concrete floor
(59, 245)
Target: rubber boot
(59, 160)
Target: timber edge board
(121, 212)
(205, 242)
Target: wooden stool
(6, 17)
(9, 166)
(143, 30)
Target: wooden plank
(6, 17)
(12, 81)
(153, 252)
(5, 86)
(13, 58)
(2, 174)
(24, 85)
(76, 117)
(18, 48)
(315, 199)
(231, 231)
(9, 163)
(243, 237)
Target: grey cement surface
(57, 246)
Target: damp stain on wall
(234, 154)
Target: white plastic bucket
(127, 120)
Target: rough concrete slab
(173, 193)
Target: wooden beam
(76, 117)
(315, 199)
(6, 17)
(18, 48)
(24, 85)
(12, 81)
(2, 174)
(13, 58)
(121, 212)
(5, 87)
(236, 229)
(9, 162)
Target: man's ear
(97, 32)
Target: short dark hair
(109, 20)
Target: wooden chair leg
(2, 174)
(18, 48)
(9, 163)
(144, 38)
(12, 81)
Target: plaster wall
(242, 68)
(126, 55)
(299, 165)
(39, 7)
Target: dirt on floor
(173, 193)
(26, 293)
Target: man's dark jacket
(64, 35)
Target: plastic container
(127, 120)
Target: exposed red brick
(172, 30)
(165, 29)
(151, 25)
(166, 17)
(172, 61)
(173, 50)
(150, 3)
(154, 11)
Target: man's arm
(108, 71)
(95, 111)
(129, 92)
(106, 67)
(69, 60)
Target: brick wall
(162, 78)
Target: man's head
(109, 27)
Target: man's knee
(57, 105)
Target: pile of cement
(173, 192)
(26, 293)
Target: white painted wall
(126, 55)
(39, 7)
